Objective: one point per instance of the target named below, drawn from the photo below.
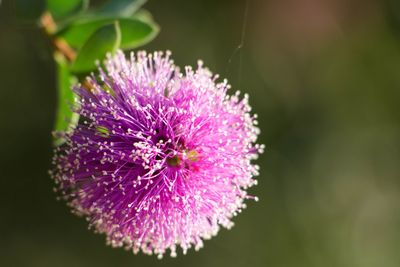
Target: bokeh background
(324, 77)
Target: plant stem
(61, 46)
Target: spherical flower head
(160, 158)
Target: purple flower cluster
(160, 158)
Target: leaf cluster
(82, 36)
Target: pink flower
(160, 159)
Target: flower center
(174, 161)
(187, 157)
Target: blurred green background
(324, 77)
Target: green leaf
(60, 9)
(120, 8)
(66, 119)
(144, 15)
(28, 10)
(104, 40)
(134, 32)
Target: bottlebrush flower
(160, 159)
